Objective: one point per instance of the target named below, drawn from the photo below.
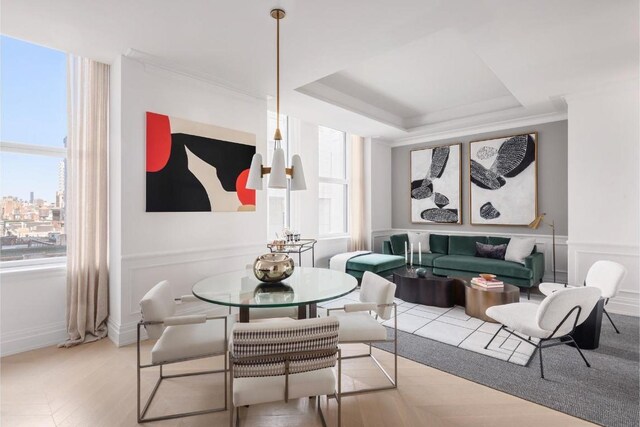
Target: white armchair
(282, 360)
(179, 339)
(357, 324)
(604, 275)
(554, 319)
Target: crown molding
(428, 136)
(160, 63)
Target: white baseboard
(31, 339)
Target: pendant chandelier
(278, 171)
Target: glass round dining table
(305, 287)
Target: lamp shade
(536, 222)
(254, 181)
(278, 175)
(297, 180)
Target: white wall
(180, 247)
(377, 173)
(185, 247)
(32, 308)
(604, 216)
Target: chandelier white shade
(278, 171)
(278, 176)
(254, 181)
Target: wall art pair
(502, 182)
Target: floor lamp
(535, 224)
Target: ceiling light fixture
(278, 171)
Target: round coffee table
(431, 290)
(478, 299)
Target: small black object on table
(438, 291)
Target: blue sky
(34, 111)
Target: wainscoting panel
(583, 254)
(543, 242)
(182, 269)
(141, 272)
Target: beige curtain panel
(87, 191)
(357, 233)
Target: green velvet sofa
(455, 256)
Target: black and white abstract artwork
(435, 185)
(503, 175)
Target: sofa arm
(535, 262)
(386, 248)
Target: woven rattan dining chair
(284, 359)
(179, 339)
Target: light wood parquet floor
(94, 385)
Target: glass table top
(305, 286)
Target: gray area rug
(606, 394)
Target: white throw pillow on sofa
(415, 238)
(519, 248)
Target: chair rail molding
(543, 242)
(141, 271)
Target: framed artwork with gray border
(503, 180)
(436, 185)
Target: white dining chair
(359, 326)
(284, 359)
(554, 319)
(604, 275)
(179, 339)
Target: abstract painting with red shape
(197, 167)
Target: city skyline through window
(33, 129)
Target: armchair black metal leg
(575, 344)
(528, 293)
(493, 337)
(609, 317)
(541, 366)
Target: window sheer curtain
(357, 241)
(86, 209)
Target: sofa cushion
(490, 251)
(375, 263)
(398, 243)
(427, 259)
(494, 240)
(464, 245)
(520, 248)
(439, 244)
(483, 265)
(419, 241)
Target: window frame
(33, 150)
(340, 181)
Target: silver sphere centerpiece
(272, 268)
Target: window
(33, 123)
(333, 183)
(278, 200)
